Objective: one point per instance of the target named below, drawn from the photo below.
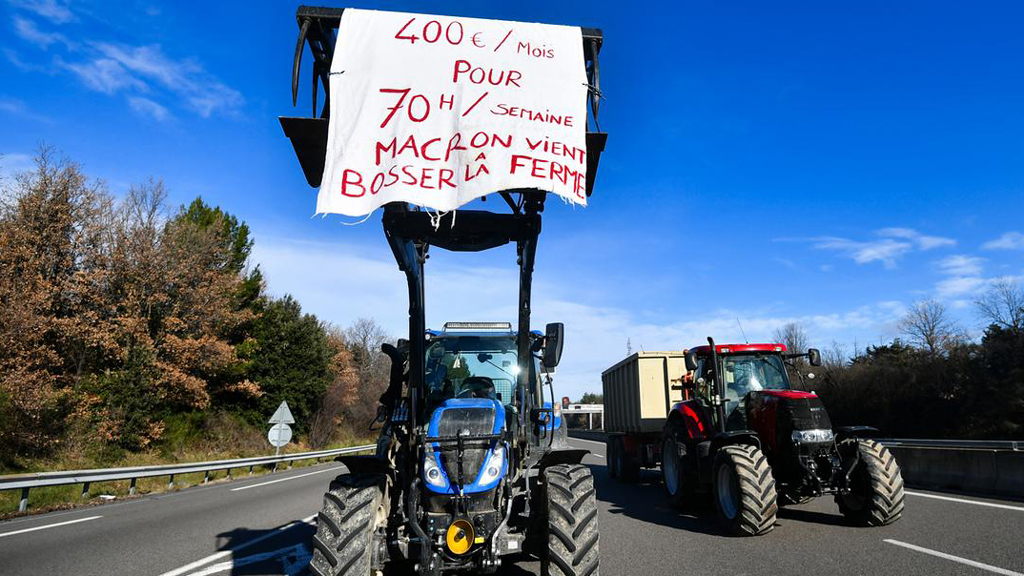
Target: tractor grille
(467, 422)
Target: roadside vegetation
(933, 381)
(134, 332)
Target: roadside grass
(66, 497)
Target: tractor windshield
(472, 367)
(751, 372)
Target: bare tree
(927, 326)
(1003, 305)
(372, 367)
(793, 336)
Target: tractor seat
(477, 387)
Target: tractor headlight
(432, 470)
(813, 436)
(492, 468)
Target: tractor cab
(747, 370)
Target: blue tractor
(471, 465)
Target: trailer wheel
(611, 456)
(344, 542)
(744, 490)
(672, 472)
(876, 487)
(571, 527)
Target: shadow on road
(645, 501)
(281, 550)
(812, 516)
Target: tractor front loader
(471, 465)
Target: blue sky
(771, 162)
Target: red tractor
(744, 436)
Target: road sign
(279, 435)
(283, 415)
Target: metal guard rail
(25, 482)
(1011, 445)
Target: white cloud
(53, 10)
(139, 71)
(104, 75)
(16, 107)
(15, 163)
(149, 108)
(922, 241)
(29, 32)
(886, 251)
(893, 245)
(1008, 241)
(186, 78)
(341, 282)
(959, 286)
(961, 265)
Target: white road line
(285, 479)
(965, 501)
(223, 553)
(945, 556)
(574, 439)
(22, 531)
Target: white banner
(438, 111)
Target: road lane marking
(23, 530)
(964, 561)
(224, 553)
(574, 439)
(285, 479)
(293, 559)
(965, 501)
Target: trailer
(639, 393)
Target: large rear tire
(672, 474)
(344, 543)
(876, 487)
(744, 490)
(571, 522)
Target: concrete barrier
(989, 472)
(592, 435)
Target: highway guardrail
(987, 467)
(26, 482)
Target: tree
(53, 325)
(793, 336)
(341, 396)
(364, 338)
(927, 326)
(1003, 305)
(292, 362)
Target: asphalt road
(263, 525)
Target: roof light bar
(452, 326)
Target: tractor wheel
(571, 513)
(876, 487)
(744, 490)
(611, 456)
(344, 542)
(672, 472)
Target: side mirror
(554, 335)
(814, 356)
(691, 361)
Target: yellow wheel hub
(460, 536)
